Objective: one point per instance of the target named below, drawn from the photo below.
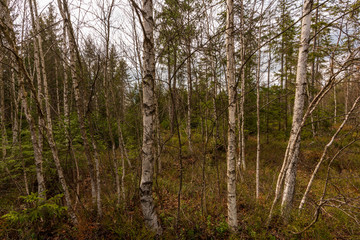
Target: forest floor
(202, 213)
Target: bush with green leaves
(37, 217)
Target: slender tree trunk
(97, 171)
(171, 106)
(15, 101)
(157, 130)
(124, 155)
(231, 150)
(176, 121)
(313, 73)
(300, 92)
(268, 97)
(63, 7)
(188, 123)
(242, 98)
(217, 132)
(113, 153)
(2, 109)
(16, 125)
(22, 158)
(335, 106)
(66, 112)
(38, 73)
(286, 99)
(57, 89)
(257, 181)
(346, 94)
(4, 141)
(146, 199)
(282, 74)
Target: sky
(86, 17)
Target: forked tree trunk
(231, 150)
(147, 171)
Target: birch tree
(300, 93)
(148, 96)
(231, 151)
(241, 160)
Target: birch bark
(147, 171)
(231, 150)
(300, 93)
(241, 161)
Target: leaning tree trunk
(300, 93)
(147, 171)
(231, 150)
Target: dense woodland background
(194, 105)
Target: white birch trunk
(242, 98)
(147, 171)
(300, 93)
(231, 150)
